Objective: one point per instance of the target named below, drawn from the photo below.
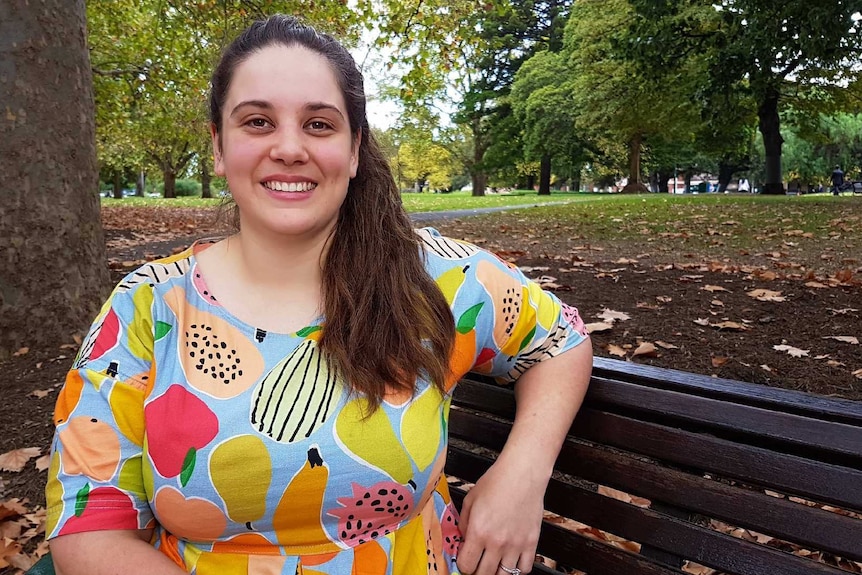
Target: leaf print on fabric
(218, 359)
(372, 512)
(297, 396)
(178, 425)
(90, 448)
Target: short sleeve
(504, 321)
(96, 480)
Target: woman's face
(285, 147)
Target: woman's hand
(501, 518)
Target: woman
(276, 402)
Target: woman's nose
(289, 146)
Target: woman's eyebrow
(252, 103)
(318, 106)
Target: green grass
(412, 202)
(735, 222)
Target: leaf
(43, 462)
(611, 316)
(467, 321)
(21, 351)
(719, 361)
(527, 339)
(730, 325)
(16, 459)
(717, 303)
(306, 331)
(188, 466)
(816, 285)
(712, 288)
(81, 500)
(664, 298)
(598, 327)
(845, 338)
(616, 350)
(647, 349)
(766, 295)
(701, 321)
(857, 374)
(666, 345)
(162, 329)
(40, 393)
(791, 351)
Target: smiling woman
(277, 401)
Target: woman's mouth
(289, 186)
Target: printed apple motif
(90, 447)
(178, 425)
(100, 507)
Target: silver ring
(512, 571)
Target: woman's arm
(110, 553)
(502, 514)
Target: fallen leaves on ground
(19, 525)
(791, 351)
(16, 459)
(766, 295)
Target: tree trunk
(479, 179)
(531, 181)
(770, 129)
(725, 174)
(140, 184)
(576, 182)
(170, 179)
(635, 185)
(117, 185)
(663, 178)
(687, 180)
(206, 191)
(53, 273)
(545, 176)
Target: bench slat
(806, 526)
(787, 473)
(646, 526)
(787, 400)
(796, 431)
(574, 550)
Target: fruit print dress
(243, 449)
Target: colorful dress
(242, 447)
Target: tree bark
(545, 176)
(53, 273)
(140, 184)
(725, 174)
(117, 185)
(663, 178)
(169, 176)
(635, 185)
(206, 191)
(479, 180)
(769, 124)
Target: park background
(106, 163)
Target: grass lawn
(412, 202)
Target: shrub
(183, 187)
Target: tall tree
(770, 49)
(52, 272)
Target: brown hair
(387, 323)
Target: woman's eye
(318, 125)
(257, 123)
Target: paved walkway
(451, 214)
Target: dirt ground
(660, 307)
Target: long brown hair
(387, 323)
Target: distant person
(837, 180)
(744, 186)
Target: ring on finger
(510, 570)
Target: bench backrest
(738, 477)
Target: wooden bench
(741, 478)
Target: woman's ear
(354, 153)
(218, 164)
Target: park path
(162, 248)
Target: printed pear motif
(241, 470)
(193, 518)
(421, 427)
(218, 359)
(514, 317)
(297, 396)
(370, 438)
(298, 515)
